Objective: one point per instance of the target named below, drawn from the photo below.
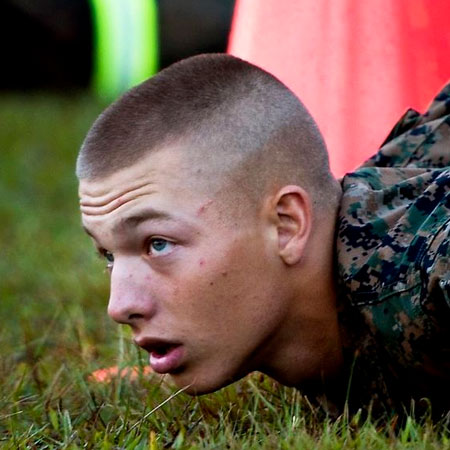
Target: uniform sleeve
(436, 274)
(433, 342)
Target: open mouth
(161, 350)
(165, 357)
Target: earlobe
(294, 221)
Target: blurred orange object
(357, 65)
(106, 375)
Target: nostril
(135, 316)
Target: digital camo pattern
(393, 258)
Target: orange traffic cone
(357, 65)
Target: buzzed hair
(230, 116)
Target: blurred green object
(125, 44)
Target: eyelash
(109, 257)
(154, 239)
(106, 255)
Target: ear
(293, 211)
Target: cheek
(249, 295)
(214, 292)
(199, 295)
(219, 293)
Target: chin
(201, 384)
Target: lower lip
(168, 362)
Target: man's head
(228, 115)
(208, 190)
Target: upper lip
(152, 344)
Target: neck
(308, 349)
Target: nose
(130, 299)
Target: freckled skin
(237, 314)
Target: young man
(232, 248)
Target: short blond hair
(230, 112)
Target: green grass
(55, 332)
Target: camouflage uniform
(393, 262)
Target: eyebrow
(136, 219)
(143, 216)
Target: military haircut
(229, 116)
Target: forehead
(153, 166)
(161, 186)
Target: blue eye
(159, 246)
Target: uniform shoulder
(418, 140)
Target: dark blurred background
(50, 44)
